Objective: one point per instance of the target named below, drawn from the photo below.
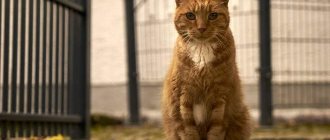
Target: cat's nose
(202, 30)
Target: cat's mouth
(203, 37)
(206, 36)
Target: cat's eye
(190, 16)
(213, 16)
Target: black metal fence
(44, 68)
(156, 35)
(300, 49)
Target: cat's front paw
(190, 133)
(216, 133)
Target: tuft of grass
(99, 121)
(295, 130)
(143, 132)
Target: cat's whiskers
(185, 38)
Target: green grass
(306, 128)
(297, 131)
(127, 133)
(149, 132)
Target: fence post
(265, 78)
(79, 100)
(86, 113)
(133, 96)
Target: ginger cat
(202, 96)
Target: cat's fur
(202, 96)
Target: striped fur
(202, 97)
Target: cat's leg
(240, 127)
(186, 110)
(172, 120)
(216, 130)
(172, 128)
(173, 124)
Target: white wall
(156, 40)
(108, 42)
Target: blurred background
(65, 66)
(300, 39)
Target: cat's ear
(224, 2)
(178, 2)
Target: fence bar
(57, 50)
(0, 35)
(30, 58)
(71, 61)
(48, 127)
(50, 66)
(134, 112)
(60, 44)
(37, 59)
(21, 129)
(37, 131)
(63, 66)
(37, 67)
(52, 129)
(64, 130)
(68, 57)
(0, 55)
(265, 64)
(5, 88)
(22, 60)
(28, 129)
(12, 128)
(44, 60)
(50, 61)
(14, 59)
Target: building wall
(108, 42)
(156, 37)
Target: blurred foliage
(58, 137)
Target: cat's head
(201, 20)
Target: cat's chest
(201, 54)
